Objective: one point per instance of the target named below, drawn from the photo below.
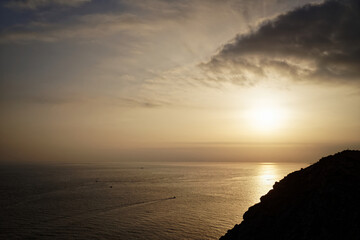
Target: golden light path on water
(268, 174)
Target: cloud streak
(114, 101)
(317, 42)
(139, 103)
(35, 4)
(92, 26)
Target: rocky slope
(321, 201)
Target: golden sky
(233, 80)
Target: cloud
(35, 4)
(317, 42)
(65, 99)
(136, 20)
(130, 18)
(104, 18)
(90, 26)
(139, 103)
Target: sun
(266, 117)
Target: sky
(165, 80)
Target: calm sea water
(131, 201)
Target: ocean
(131, 200)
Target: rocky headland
(321, 201)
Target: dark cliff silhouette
(321, 201)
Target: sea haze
(131, 201)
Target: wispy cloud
(317, 42)
(139, 103)
(65, 99)
(92, 26)
(51, 25)
(35, 4)
(106, 18)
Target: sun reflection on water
(267, 176)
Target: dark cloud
(317, 42)
(35, 4)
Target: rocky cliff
(321, 201)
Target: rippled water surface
(131, 201)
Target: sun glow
(266, 116)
